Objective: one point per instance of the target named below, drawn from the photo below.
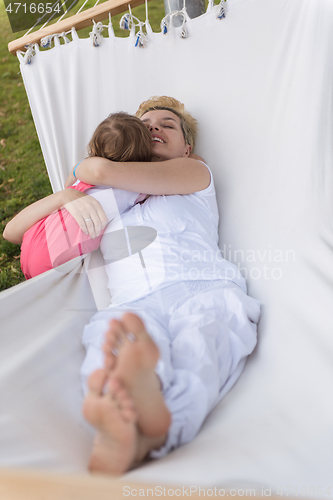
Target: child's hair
(188, 123)
(121, 137)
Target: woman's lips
(157, 138)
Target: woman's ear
(188, 150)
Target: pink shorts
(54, 240)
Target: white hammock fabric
(260, 84)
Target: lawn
(23, 176)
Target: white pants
(204, 331)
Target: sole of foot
(110, 409)
(131, 356)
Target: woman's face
(167, 134)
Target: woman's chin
(160, 157)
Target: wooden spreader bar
(78, 21)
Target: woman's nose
(153, 126)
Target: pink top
(54, 240)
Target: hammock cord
(127, 22)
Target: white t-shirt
(165, 240)
(113, 200)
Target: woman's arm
(80, 206)
(176, 176)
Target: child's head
(121, 137)
(188, 124)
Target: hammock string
(110, 27)
(29, 54)
(127, 22)
(47, 40)
(221, 10)
(96, 34)
(130, 22)
(166, 22)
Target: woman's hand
(87, 212)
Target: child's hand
(87, 212)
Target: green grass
(23, 176)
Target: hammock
(259, 81)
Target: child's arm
(196, 157)
(80, 206)
(70, 180)
(175, 176)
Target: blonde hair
(121, 137)
(188, 124)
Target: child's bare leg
(132, 355)
(118, 445)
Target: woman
(172, 350)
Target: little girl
(58, 238)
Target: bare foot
(132, 355)
(112, 413)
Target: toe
(122, 399)
(96, 382)
(132, 325)
(112, 332)
(114, 386)
(129, 414)
(109, 360)
(114, 339)
(131, 337)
